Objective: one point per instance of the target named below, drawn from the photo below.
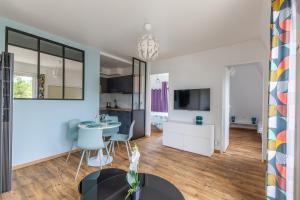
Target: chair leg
(113, 148)
(100, 161)
(127, 150)
(70, 152)
(82, 156)
(118, 144)
(87, 156)
(107, 155)
(110, 146)
(129, 146)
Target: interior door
(139, 97)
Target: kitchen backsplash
(123, 100)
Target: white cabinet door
(173, 139)
(197, 145)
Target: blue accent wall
(39, 126)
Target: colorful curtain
(159, 98)
(281, 102)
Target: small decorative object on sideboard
(133, 175)
(232, 119)
(253, 120)
(199, 120)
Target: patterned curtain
(281, 101)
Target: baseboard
(217, 151)
(265, 161)
(16, 167)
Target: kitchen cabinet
(112, 85)
(126, 84)
(103, 85)
(122, 84)
(137, 88)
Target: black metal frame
(38, 63)
(145, 95)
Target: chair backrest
(112, 130)
(113, 118)
(130, 134)
(73, 129)
(90, 139)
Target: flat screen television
(193, 99)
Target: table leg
(100, 159)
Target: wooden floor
(237, 174)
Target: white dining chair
(90, 139)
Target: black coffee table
(116, 187)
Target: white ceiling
(114, 26)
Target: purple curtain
(164, 97)
(159, 99)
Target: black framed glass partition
(45, 69)
(139, 73)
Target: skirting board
(43, 160)
(217, 151)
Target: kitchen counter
(116, 109)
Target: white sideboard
(189, 137)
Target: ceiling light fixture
(148, 46)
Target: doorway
(159, 86)
(243, 105)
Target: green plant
(22, 88)
(134, 182)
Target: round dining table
(152, 187)
(100, 159)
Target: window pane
(51, 79)
(22, 40)
(23, 86)
(51, 48)
(136, 86)
(25, 72)
(142, 85)
(73, 54)
(73, 79)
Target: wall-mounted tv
(193, 99)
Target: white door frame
(226, 107)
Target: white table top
(102, 125)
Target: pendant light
(148, 46)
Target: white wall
(206, 69)
(297, 136)
(246, 90)
(226, 109)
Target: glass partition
(142, 85)
(136, 84)
(25, 72)
(50, 77)
(73, 73)
(139, 100)
(45, 69)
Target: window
(44, 69)
(24, 86)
